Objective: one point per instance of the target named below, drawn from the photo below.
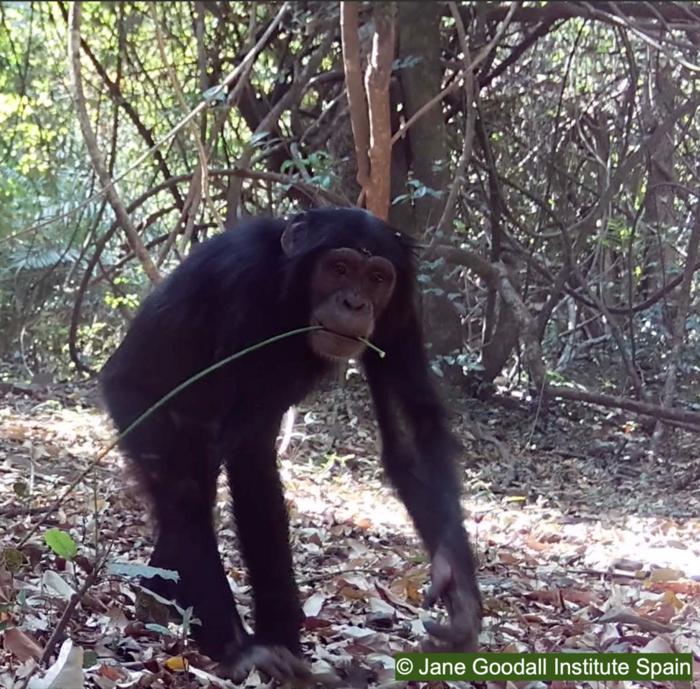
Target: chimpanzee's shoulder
(253, 234)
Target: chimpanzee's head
(360, 271)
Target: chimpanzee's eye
(340, 268)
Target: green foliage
(416, 190)
(37, 258)
(465, 360)
(558, 121)
(13, 560)
(159, 629)
(129, 300)
(319, 162)
(61, 543)
(555, 377)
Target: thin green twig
(157, 405)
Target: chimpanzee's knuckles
(462, 632)
(451, 637)
(275, 661)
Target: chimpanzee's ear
(296, 237)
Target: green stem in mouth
(374, 347)
(364, 340)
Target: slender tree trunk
(427, 153)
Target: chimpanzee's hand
(458, 590)
(276, 661)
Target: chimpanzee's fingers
(460, 635)
(462, 631)
(298, 668)
(275, 661)
(441, 577)
(450, 633)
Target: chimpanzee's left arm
(418, 451)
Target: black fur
(234, 290)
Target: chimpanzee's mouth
(323, 328)
(331, 344)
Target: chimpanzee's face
(359, 268)
(349, 292)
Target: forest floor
(585, 542)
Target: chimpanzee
(351, 274)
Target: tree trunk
(427, 156)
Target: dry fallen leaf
(313, 604)
(626, 615)
(22, 646)
(177, 664)
(65, 673)
(665, 574)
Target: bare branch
(683, 307)
(355, 90)
(468, 137)
(230, 78)
(377, 78)
(455, 82)
(94, 150)
(643, 408)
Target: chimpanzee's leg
(262, 523)
(178, 469)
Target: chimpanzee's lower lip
(352, 338)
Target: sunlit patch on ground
(582, 550)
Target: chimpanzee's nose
(354, 302)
